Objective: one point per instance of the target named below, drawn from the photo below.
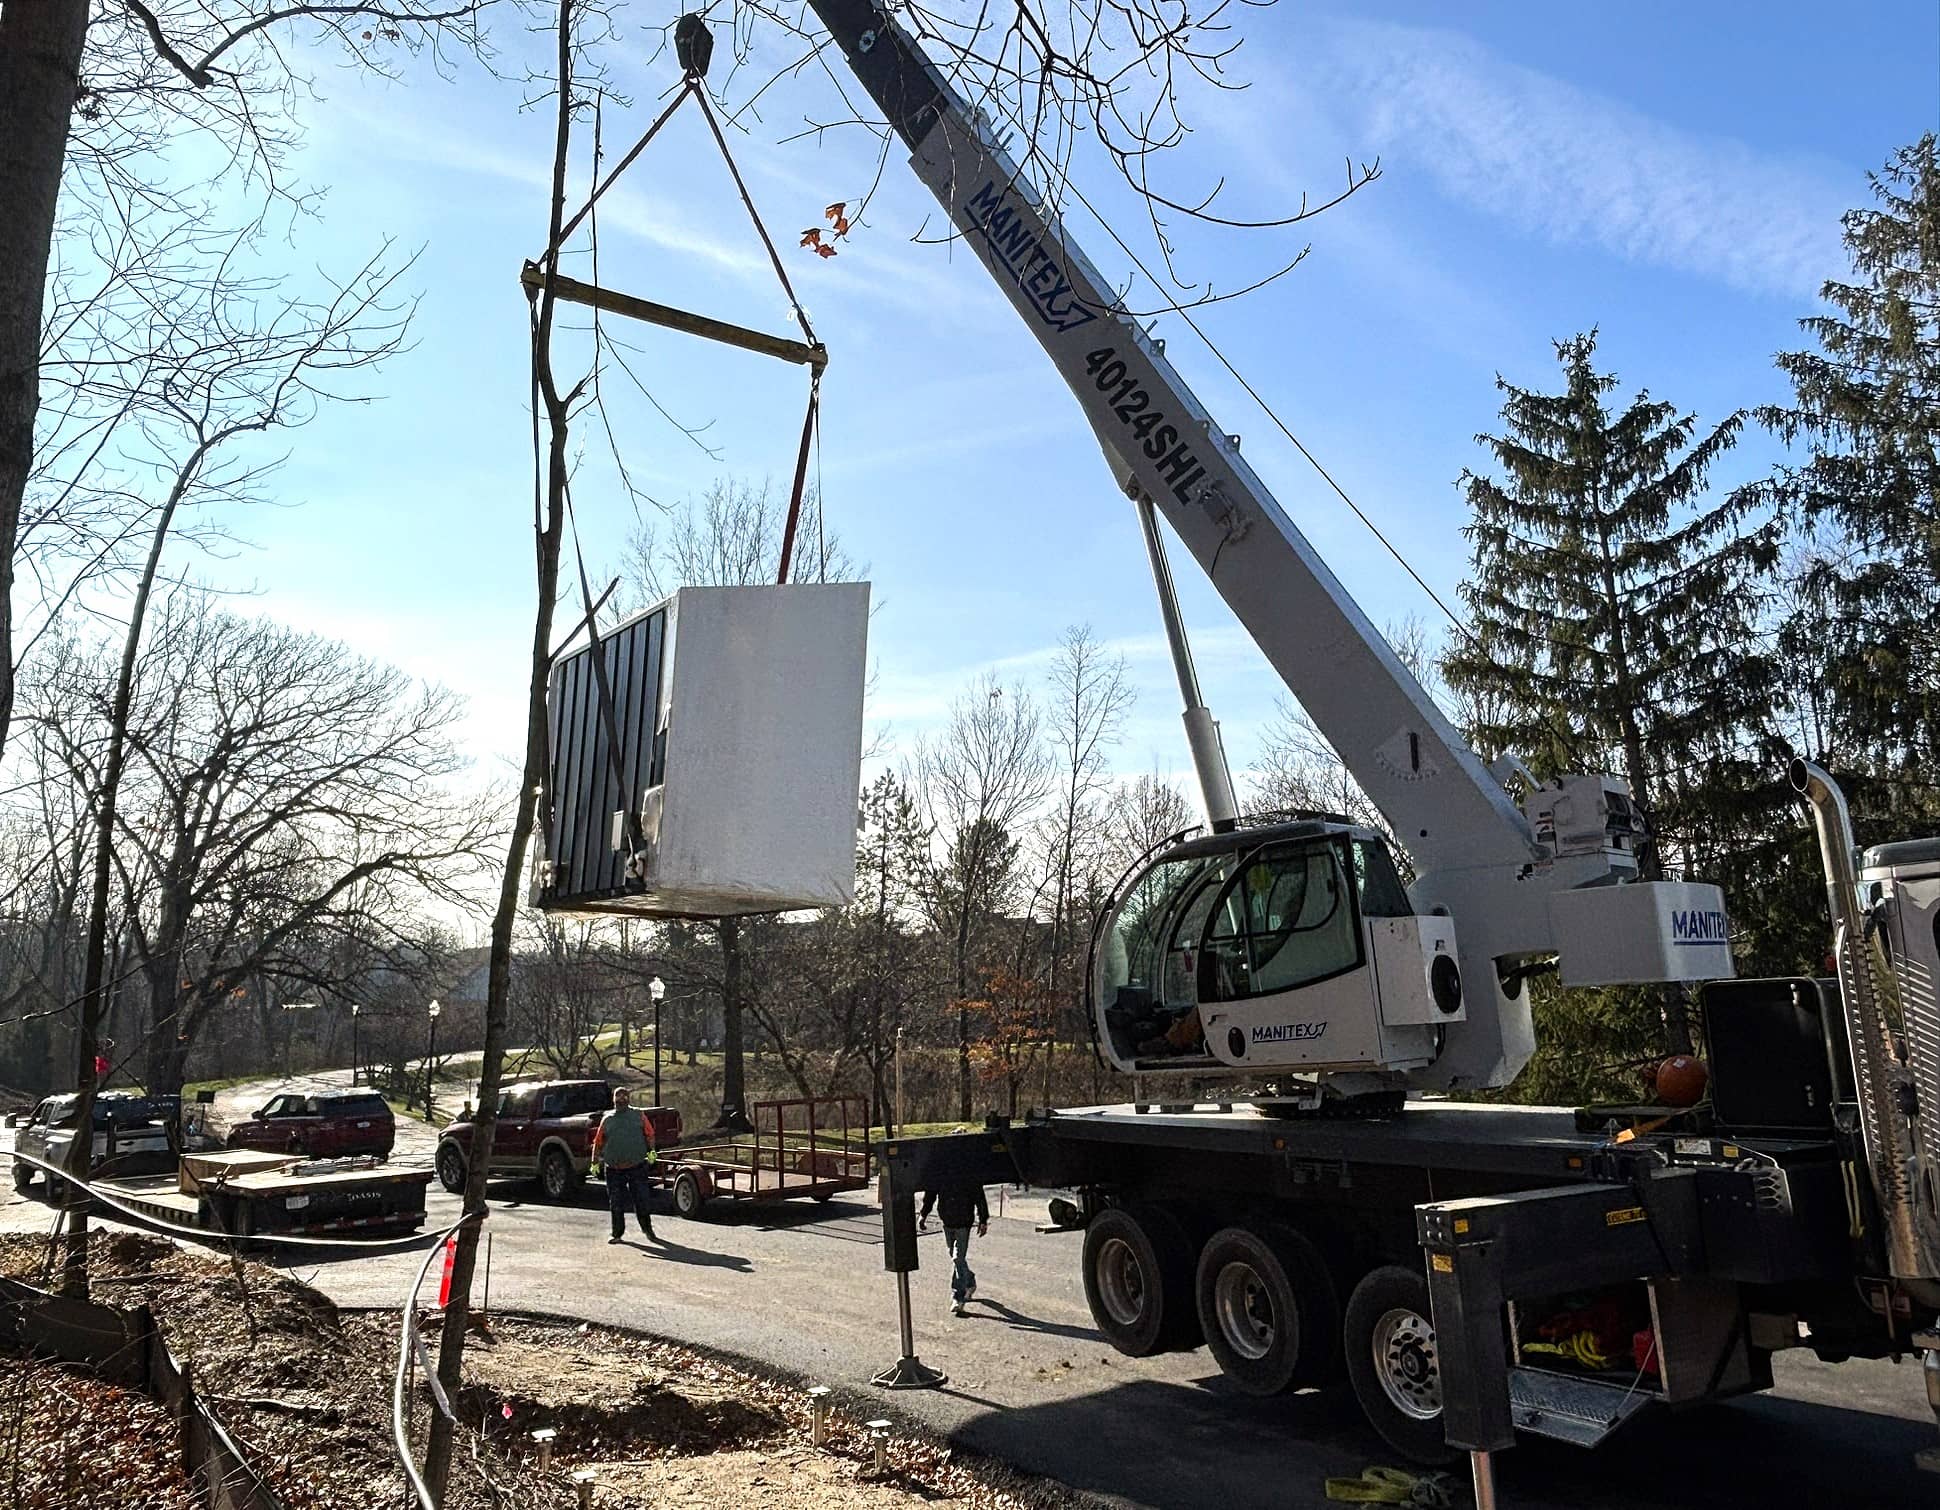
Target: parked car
(336, 1125)
(545, 1130)
(131, 1135)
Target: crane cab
(1286, 948)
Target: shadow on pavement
(1211, 1448)
(1019, 1321)
(680, 1253)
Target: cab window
(1378, 883)
(580, 1099)
(1286, 919)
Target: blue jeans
(628, 1187)
(962, 1279)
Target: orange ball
(1681, 1080)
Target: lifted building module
(706, 755)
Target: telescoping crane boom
(1295, 948)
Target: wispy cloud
(1581, 169)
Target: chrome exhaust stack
(1899, 1110)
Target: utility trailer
(814, 1147)
(248, 1194)
(1475, 1271)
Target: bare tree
(566, 989)
(282, 820)
(1088, 696)
(1144, 814)
(979, 783)
(235, 370)
(93, 94)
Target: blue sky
(1670, 173)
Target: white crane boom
(1496, 869)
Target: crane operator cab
(1287, 948)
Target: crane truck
(1471, 1270)
(1337, 1210)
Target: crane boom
(1476, 853)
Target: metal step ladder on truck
(1472, 1270)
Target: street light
(657, 989)
(430, 1056)
(354, 1010)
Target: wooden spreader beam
(636, 308)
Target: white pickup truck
(131, 1135)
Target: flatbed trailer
(251, 1196)
(1428, 1257)
(814, 1147)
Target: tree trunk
(74, 1275)
(40, 68)
(734, 1093)
(548, 531)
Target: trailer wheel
(1138, 1280)
(689, 1199)
(451, 1169)
(1269, 1308)
(1391, 1362)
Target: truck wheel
(556, 1176)
(23, 1175)
(451, 1169)
(689, 1198)
(1137, 1274)
(1269, 1309)
(1391, 1362)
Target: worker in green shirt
(623, 1145)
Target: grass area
(189, 1090)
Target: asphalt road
(801, 1288)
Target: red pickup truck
(331, 1126)
(545, 1130)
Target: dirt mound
(601, 1396)
(308, 1391)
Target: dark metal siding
(583, 788)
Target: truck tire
(1389, 1336)
(1269, 1308)
(690, 1200)
(1138, 1280)
(558, 1179)
(23, 1175)
(450, 1164)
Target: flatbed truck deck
(280, 1198)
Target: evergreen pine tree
(1866, 409)
(1616, 626)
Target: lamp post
(657, 989)
(354, 1010)
(899, 1079)
(430, 1055)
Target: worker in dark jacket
(623, 1144)
(959, 1206)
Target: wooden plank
(636, 308)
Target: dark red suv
(336, 1125)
